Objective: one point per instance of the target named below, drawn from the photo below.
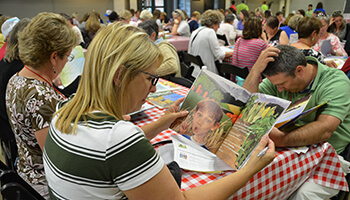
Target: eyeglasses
(155, 78)
(70, 57)
(321, 14)
(336, 13)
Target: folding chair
(222, 39)
(226, 69)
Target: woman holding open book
(92, 153)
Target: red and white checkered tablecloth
(278, 180)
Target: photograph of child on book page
(203, 124)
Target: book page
(294, 110)
(256, 119)
(214, 104)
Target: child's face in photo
(202, 123)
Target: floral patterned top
(312, 52)
(334, 42)
(30, 104)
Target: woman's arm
(283, 38)
(40, 136)
(175, 27)
(163, 185)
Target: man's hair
(302, 12)
(279, 13)
(272, 22)
(229, 18)
(233, 2)
(286, 62)
(212, 108)
(149, 27)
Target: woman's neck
(40, 73)
(304, 43)
(272, 34)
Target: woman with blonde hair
(44, 47)
(91, 153)
(125, 16)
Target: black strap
(196, 35)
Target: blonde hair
(45, 34)
(125, 15)
(210, 17)
(119, 47)
(93, 23)
(196, 14)
(146, 15)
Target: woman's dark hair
(302, 12)
(319, 5)
(252, 28)
(307, 25)
(272, 22)
(267, 14)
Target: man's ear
(299, 70)
(216, 126)
(119, 75)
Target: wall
(30, 8)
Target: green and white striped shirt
(103, 158)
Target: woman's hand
(172, 113)
(331, 63)
(255, 163)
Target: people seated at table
(204, 42)
(244, 14)
(44, 47)
(156, 17)
(274, 35)
(291, 27)
(180, 26)
(171, 62)
(250, 45)
(164, 18)
(6, 28)
(292, 76)
(89, 130)
(10, 65)
(336, 49)
(228, 29)
(193, 21)
(309, 29)
(337, 26)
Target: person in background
(145, 15)
(285, 22)
(171, 62)
(113, 17)
(309, 32)
(90, 29)
(250, 45)
(243, 15)
(242, 6)
(164, 18)
(3, 18)
(180, 26)
(292, 76)
(204, 42)
(193, 22)
(125, 16)
(280, 17)
(136, 16)
(337, 49)
(75, 19)
(233, 5)
(291, 27)
(186, 15)
(156, 16)
(274, 35)
(264, 7)
(309, 11)
(44, 47)
(10, 65)
(337, 26)
(301, 12)
(132, 11)
(135, 171)
(319, 8)
(6, 28)
(82, 21)
(267, 14)
(260, 13)
(228, 29)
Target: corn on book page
(257, 118)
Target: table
(276, 181)
(179, 42)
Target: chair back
(226, 69)
(186, 71)
(181, 81)
(189, 59)
(15, 191)
(222, 39)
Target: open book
(226, 119)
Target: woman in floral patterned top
(337, 49)
(44, 47)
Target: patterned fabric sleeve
(336, 44)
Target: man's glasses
(70, 57)
(155, 78)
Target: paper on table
(193, 157)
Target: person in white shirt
(204, 41)
(180, 26)
(228, 29)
